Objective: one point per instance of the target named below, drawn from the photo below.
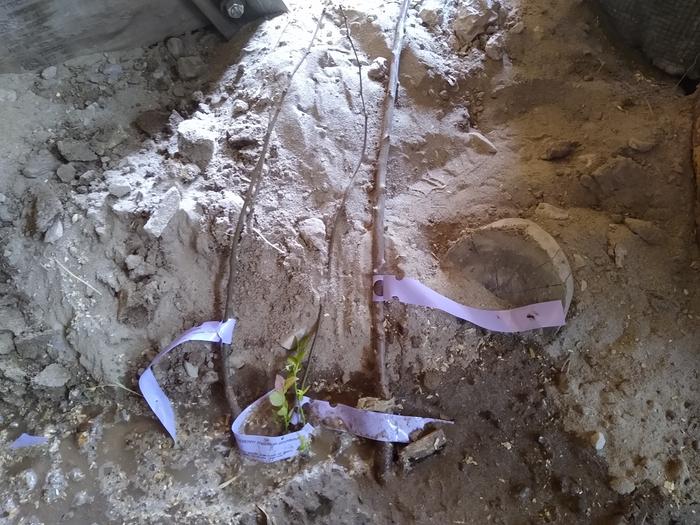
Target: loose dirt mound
(123, 178)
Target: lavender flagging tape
(411, 291)
(27, 440)
(268, 449)
(211, 331)
(372, 425)
(364, 423)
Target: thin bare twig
(227, 482)
(273, 246)
(268, 518)
(379, 244)
(344, 200)
(384, 452)
(363, 150)
(244, 219)
(114, 385)
(77, 278)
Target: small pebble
(49, 73)
(597, 440)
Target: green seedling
(288, 394)
(304, 444)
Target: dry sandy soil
(121, 180)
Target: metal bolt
(233, 8)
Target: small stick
(78, 278)
(384, 452)
(114, 385)
(244, 219)
(227, 482)
(268, 518)
(360, 159)
(274, 247)
(344, 200)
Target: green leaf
(289, 382)
(277, 399)
(282, 412)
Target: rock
(75, 150)
(210, 377)
(313, 233)
(619, 253)
(12, 372)
(81, 498)
(133, 261)
(174, 119)
(45, 207)
(518, 28)
(138, 267)
(326, 60)
(30, 479)
(34, 346)
(240, 107)
(480, 143)
(191, 370)
(55, 232)
(471, 19)
(422, 448)
(162, 215)
(494, 47)
(49, 73)
(641, 146)
(597, 440)
(41, 164)
(109, 138)
(190, 67)
(7, 344)
(378, 69)
(431, 17)
(622, 485)
(5, 211)
(88, 177)
(579, 261)
(621, 241)
(113, 72)
(243, 138)
(548, 211)
(66, 172)
(648, 231)
(175, 47)
(196, 141)
(53, 376)
(119, 188)
(522, 493)
(620, 179)
(559, 149)
(76, 474)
